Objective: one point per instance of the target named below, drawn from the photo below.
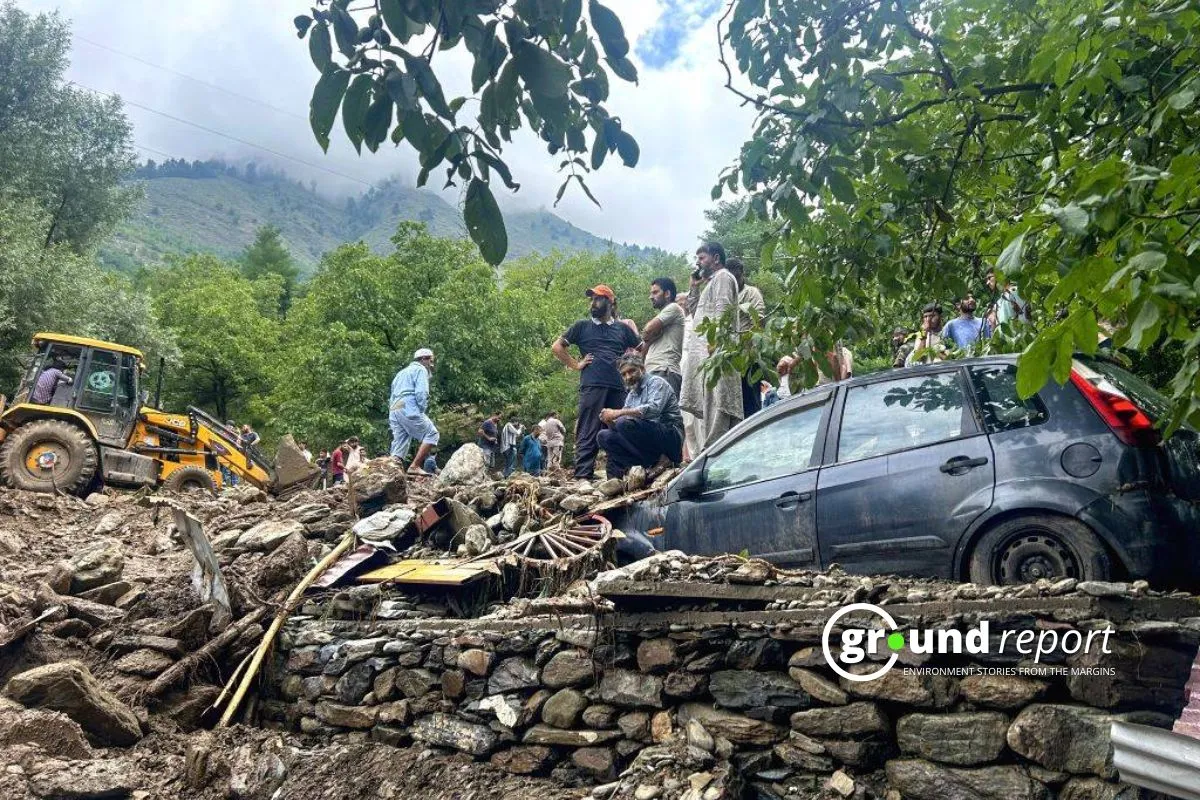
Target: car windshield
(1147, 398)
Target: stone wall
(711, 704)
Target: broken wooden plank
(426, 571)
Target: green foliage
(65, 148)
(55, 289)
(227, 334)
(267, 255)
(902, 152)
(535, 62)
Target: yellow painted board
(441, 573)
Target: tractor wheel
(191, 479)
(48, 455)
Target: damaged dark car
(944, 471)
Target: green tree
(65, 147)
(56, 289)
(534, 62)
(901, 152)
(267, 255)
(227, 342)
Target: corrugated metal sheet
(1157, 759)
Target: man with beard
(647, 427)
(717, 408)
(601, 340)
(965, 330)
(664, 334)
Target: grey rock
(69, 687)
(477, 539)
(914, 689)
(742, 689)
(1064, 738)
(854, 719)
(544, 734)
(97, 564)
(611, 487)
(145, 662)
(600, 715)
(568, 668)
(621, 687)
(563, 708)
(523, 759)
(511, 516)
(445, 730)
(269, 534)
(736, 728)
(818, 686)
(1002, 691)
(922, 780)
(963, 739)
(85, 780)
(657, 655)
(415, 683)
(513, 674)
(386, 525)
(466, 466)
(354, 684)
(1103, 588)
(344, 716)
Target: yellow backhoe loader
(80, 418)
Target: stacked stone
(610, 703)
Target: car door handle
(792, 499)
(962, 464)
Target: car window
(895, 415)
(781, 447)
(1003, 409)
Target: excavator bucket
(292, 470)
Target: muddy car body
(943, 471)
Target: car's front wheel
(1027, 548)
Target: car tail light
(1128, 422)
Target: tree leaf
(378, 120)
(400, 24)
(354, 109)
(599, 149)
(1072, 218)
(1182, 99)
(628, 149)
(608, 27)
(431, 89)
(1033, 367)
(841, 187)
(1148, 260)
(1009, 262)
(302, 23)
(623, 68)
(327, 97)
(572, 9)
(485, 223)
(345, 30)
(542, 71)
(320, 50)
(1145, 325)
(402, 88)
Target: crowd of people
(645, 396)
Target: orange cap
(601, 291)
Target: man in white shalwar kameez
(713, 290)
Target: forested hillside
(214, 207)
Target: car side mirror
(691, 482)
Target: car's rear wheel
(1030, 547)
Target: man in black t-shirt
(601, 341)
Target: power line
(152, 150)
(230, 92)
(224, 135)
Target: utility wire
(230, 92)
(224, 135)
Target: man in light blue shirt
(650, 425)
(408, 405)
(966, 329)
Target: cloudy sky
(689, 127)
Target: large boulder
(69, 687)
(96, 564)
(1064, 738)
(622, 687)
(384, 526)
(269, 534)
(922, 780)
(54, 733)
(963, 739)
(380, 482)
(445, 730)
(466, 466)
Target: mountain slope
(216, 208)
